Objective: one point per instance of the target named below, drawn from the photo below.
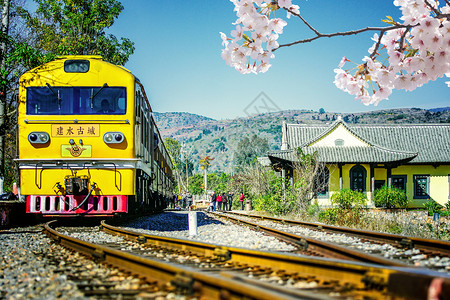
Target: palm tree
(204, 165)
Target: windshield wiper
(98, 92)
(56, 95)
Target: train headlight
(38, 137)
(113, 137)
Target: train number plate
(75, 130)
(76, 151)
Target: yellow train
(87, 141)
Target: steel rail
(325, 248)
(203, 284)
(408, 283)
(400, 240)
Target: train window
(76, 66)
(53, 100)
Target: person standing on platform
(224, 202)
(210, 205)
(219, 201)
(184, 200)
(241, 200)
(214, 200)
(190, 200)
(230, 201)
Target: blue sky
(178, 48)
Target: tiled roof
(431, 142)
(347, 154)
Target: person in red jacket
(219, 201)
(241, 200)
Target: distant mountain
(441, 109)
(179, 125)
(219, 138)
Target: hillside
(203, 136)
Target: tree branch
(377, 45)
(303, 20)
(345, 33)
(402, 41)
(436, 11)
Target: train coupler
(76, 185)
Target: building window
(421, 186)
(358, 176)
(339, 142)
(379, 184)
(399, 181)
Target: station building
(415, 158)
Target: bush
(348, 208)
(347, 199)
(390, 197)
(273, 204)
(329, 216)
(313, 209)
(433, 207)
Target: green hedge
(390, 197)
(346, 199)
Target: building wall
(439, 181)
(439, 184)
(339, 133)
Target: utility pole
(187, 177)
(186, 154)
(3, 87)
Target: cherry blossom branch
(402, 39)
(345, 33)
(405, 54)
(303, 20)
(436, 11)
(375, 50)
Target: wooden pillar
(389, 176)
(372, 178)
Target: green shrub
(272, 204)
(433, 207)
(329, 216)
(313, 209)
(390, 197)
(347, 199)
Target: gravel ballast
(209, 230)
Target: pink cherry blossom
(406, 57)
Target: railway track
(237, 273)
(428, 247)
(168, 277)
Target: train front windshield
(54, 100)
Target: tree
(248, 149)
(205, 163)
(70, 27)
(174, 149)
(3, 45)
(310, 178)
(15, 57)
(404, 55)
